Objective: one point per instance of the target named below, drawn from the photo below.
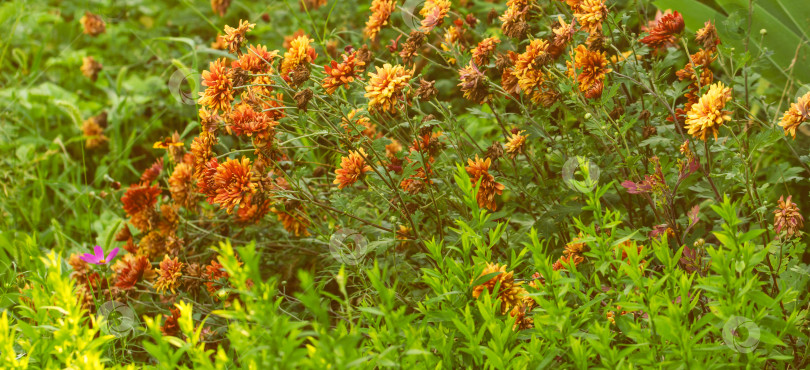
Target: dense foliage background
(429, 184)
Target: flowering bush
(459, 184)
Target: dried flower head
(171, 327)
(386, 87)
(799, 112)
(426, 90)
(479, 171)
(170, 271)
(152, 173)
(181, 185)
(233, 184)
(342, 74)
(93, 130)
(787, 218)
(302, 99)
(235, 37)
(707, 114)
(473, 83)
(93, 24)
(90, 68)
(218, 94)
(380, 13)
(707, 36)
(665, 31)
(351, 168)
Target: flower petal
(112, 254)
(98, 251)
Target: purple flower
(97, 258)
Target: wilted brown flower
(351, 168)
(170, 327)
(508, 290)
(664, 31)
(132, 269)
(342, 74)
(380, 13)
(433, 13)
(473, 83)
(787, 217)
(479, 171)
(93, 130)
(484, 50)
(707, 114)
(514, 22)
(799, 112)
(409, 50)
(302, 99)
(707, 36)
(563, 34)
(386, 87)
(181, 185)
(233, 185)
(90, 68)
(218, 94)
(220, 7)
(426, 90)
(235, 37)
(170, 271)
(93, 24)
(214, 272)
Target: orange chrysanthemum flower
(473, 83)
(380, 13)
(589, 68)
(516, 143)
(294, 221)
(233, 185)
(664, 31)
(218, 94)
(299, 52)
(799, 112)
(351, 168)
(257, 60)
(181, 186)
(214, 272)
(508, 290)
(433, 14)
(254, 212)
(246, 121)
(590, 14)
(206, 183)
(563, 34)
(235, 37)
(386, 87)
(220, 7)
(170, 271)
(528, 65)
(171, 327)
(152, 173)
(93, 24)
(202, 151)
(479, 171)
(139, 204)
(701, 60)
(132, 269)
(484, 50)
(787, 217)
(342, 74)
(93, 131)
(90, 68)
(707, 114)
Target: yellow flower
(433, 13)
(509, 292)
(351, 168)
(706, 116)
(516, 144)
(380, 12)
(528, 66)
(299, 52)
(799, 112)
(589, 68)
(386, 87)
(218, 94)
(590, 14)
(479, 170)
(170, 271)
